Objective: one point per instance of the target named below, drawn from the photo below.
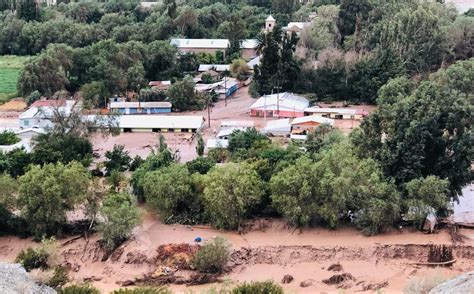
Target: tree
(27, 10)
(240, 70)
(351, 14)
(120, 217)
(117, 159)
(308, 193)
(52, 147)
(183, 96)
(8, 138)
(47, 193)
(230, 193)
(245, 139)
(426, 131)
(95, 93)
(200, 165)
(460, 36)
(429, 191)
(169, 191)
(200, 146)
(323, 137)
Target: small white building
(214, 67)
(279, 105)
(279, 127)
(217, 143)
(160, 123)
(337, 113)
(42, 116)
(25, 136)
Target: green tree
(120, 217)
(240, 70)
(27, 9)
(95, 93)
(200, 145)
(323, 137)
(183, 96)
(245, 139)
(200, 165)
(117, 159)
(169, 191)
(351, 13)
(424, 132)
(8, 138)
(47, 193)
(230, 193)
(53, 147)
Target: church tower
(270, 23)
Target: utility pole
(209, 110)
(278, 100)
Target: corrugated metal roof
(215, 67)
(249, 44)
(160, 104)
(238, 123)
(312, 118)
(288, 101)
(201, 43)
(30, 113)
(160, 121)
(348, 111)
(299, 25)
(217, 143)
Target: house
(214, 67)
(140, 107)
(337, 113)
(296, 27)
(279, 127)
(304, 125)
(160, 123)
(42, 113)
(25, 136)
(253, 62)
(162, 85)
(223, 89)
(279, 105)
(248, 46)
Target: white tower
(270, 23)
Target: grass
(10, 68)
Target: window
(338, 116)
(127, 130)
(26, 123)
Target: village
(207, 146)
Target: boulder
(15, 280)
(461, 284)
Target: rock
(307, 283)
(15, 280)
(336, 267)
(126, 283)
(461, 284)
(92, 279)
(287, 279)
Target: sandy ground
(268, 254)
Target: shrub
(213, 256)
(8, 138)
(117, 159)
(267, 287)
(120, 217)
(79, 289)
(200, 165)
(59, 277)
(423, 285)
(33, 258)
(143, 290)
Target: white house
(279, 105)
(42, 116)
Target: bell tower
(270, 23)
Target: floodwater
(464, 210)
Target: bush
(213, 256)
(267, 287)
(33, 258)
(79, 289)
(200, 165)
(143, 290)
(423, 285)
(230, 193)
(59, 277)
(117, 159)
(120, 217)
(8, 138)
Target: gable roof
(284, 100)
(201, 43)
(312, 118)
(270, 18)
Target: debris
(200, 278)
(430, 222)
(440, 254)
(339, 279)
(287, 279)
(307, 283)
(336, 267)
(456, 236)
(375, 286)
(177, 256)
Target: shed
(279, 127)
(303, 125)
(160, 123)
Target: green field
(10, 67)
